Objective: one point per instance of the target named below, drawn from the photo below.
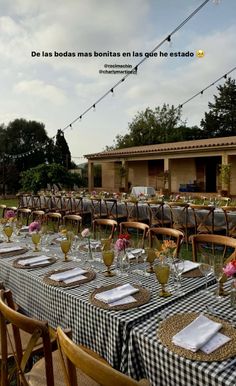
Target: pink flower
(230, 269)
(9, 214)
(121, 244)
(86, 233)
(34, 226)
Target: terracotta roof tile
(165, 147)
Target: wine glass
(108, 258)
(8, 230)
(162, 271)
(178, 269)
(36, 237)
(206, 269)
(218, 272)
(65, 247)
(150, 258)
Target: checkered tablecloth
(105, 331)
(148, 358)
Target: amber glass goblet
(108, 258)
(150, 258)
(8, 230)
(162, 271)
(36, 237)
(65, 247)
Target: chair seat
(36, 377)
(25, 337)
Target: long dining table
(109, 332)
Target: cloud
(41, 90)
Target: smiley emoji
(200, 53)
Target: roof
(165, 147)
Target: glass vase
(123, 263)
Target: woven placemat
(90, 275)
(141, 297)
(175, 323)
(193, 273)
(14, 253)
(15, 263)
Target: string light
(168, 38)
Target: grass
(9, 202)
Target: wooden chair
(159, 214)
(78, 207)
(106, 226)
(54, 219)
(73, 222)
(99, 371)
(180, 219)
(214, 243)
(38, 215)
(38, 337)
(230, 216)
(137, 211)
(140, 230)
(166, 233)
(3, 208)
(98, 208)
(112, 210)
(23, 214)
(204, 219)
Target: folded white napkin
(10, 249)
(25, 228)
(133, 253)
(189, 265)
(61, 276)
(74, 278)
(196, 334)
(33, 260)
(116, 294)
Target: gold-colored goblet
(108, 258)
(8, 230)
(150, 258)
(65, 247)
(162, 272)
(106, 244)
(36, 237)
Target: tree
(35, 179)
(220, 121)
(62, 154)
(160, 125)
(23, 144)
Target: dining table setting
(129, 314)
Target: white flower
(86, 233)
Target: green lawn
(9, 202)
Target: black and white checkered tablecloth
(148, 358)
(106, 332)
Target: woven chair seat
(36, 377)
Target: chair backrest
(3, 208)
(167, 233)
(37, 329)
(38, 215)
(106, 226)
(204, 218)
(23, 214)
(214, 244)
(229, 212)
(132, 226)
(137, 211)
(99, 209)
(99, 371)
(159, 214)
(73, 221)
(55, 219)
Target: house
(172, 167)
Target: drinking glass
(178, 269)
(36, 237)
(108, 258)
(150, 258)
(65, 247)
(206, 269)
(162, 271)
(8, 230)
(218, 272)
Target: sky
(47, 75)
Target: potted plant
(224, 178)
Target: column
(90, 176)
(225, 173)
(124, 179)
(167, 176)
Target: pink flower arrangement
(9, 214)
(34, 226)
(122, 242)
(230, 269)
